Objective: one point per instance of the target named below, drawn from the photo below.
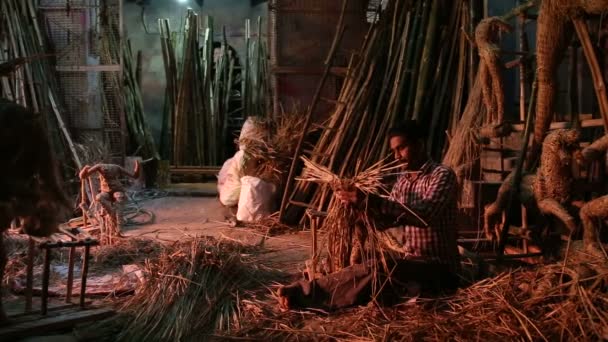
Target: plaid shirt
(431, 194)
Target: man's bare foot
(288, 295)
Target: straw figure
(111, 196)
(29, 182)
(549, 190)
(552, 36)
(596, 210)
(490, 67)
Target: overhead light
(182, 1)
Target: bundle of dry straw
(268, 154)
(191, 291)
(547, 303)
(349, 225)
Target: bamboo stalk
(596, 73)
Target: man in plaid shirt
(417, 222)
(427, 232)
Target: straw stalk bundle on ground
(125, 251)
(190, 291)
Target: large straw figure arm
(553, 34)
(596, 210)
(490, 67)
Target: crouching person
(417, 223)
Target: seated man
(428, 250)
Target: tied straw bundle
(341, 220)
(270, 151)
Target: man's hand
(84, 173)
(347, 196)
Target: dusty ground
(183, 217)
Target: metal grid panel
(80, 100)
(86, 37)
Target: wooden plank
(51, 324)
(564, 124)
(194, 170)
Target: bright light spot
(182, 1)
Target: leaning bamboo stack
(204, 93)
(404, 70)
(32, 82)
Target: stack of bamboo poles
(32, 83)
(201, 91)
(255, 81)
(141, 138)
(413, 64)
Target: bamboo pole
(596, 73)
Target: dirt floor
(182, 212)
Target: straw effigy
(551, 302)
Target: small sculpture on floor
(110, 195)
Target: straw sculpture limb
(552, 36)
(490, 68)
(551, 187)
(493, 212)
(592, 214)
(595, 211)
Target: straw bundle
(269, 153)
(490, 67)
(191, 290)
(125, 251)
(548, 303)
(348, 226)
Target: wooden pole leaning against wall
(311, 108)
(596, 72)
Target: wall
(229, 13)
